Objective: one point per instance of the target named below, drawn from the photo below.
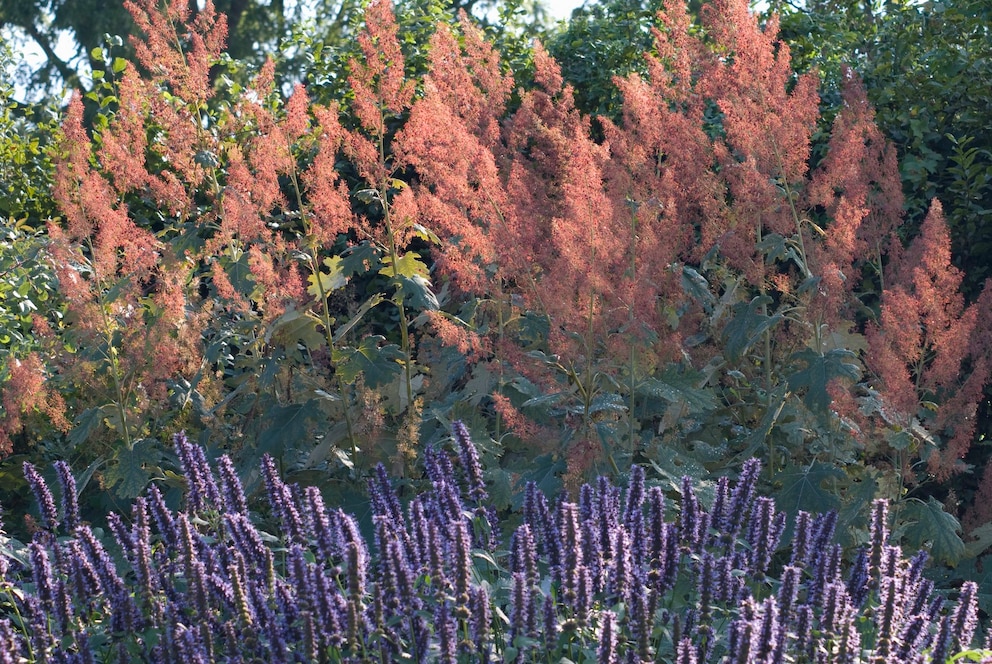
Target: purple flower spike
(70, 499)
(689, 520)
(879, 535)
(282, 501)
(686, 653)
(202, 491)
(469, 457)
(41, 572)
(447, 633)
(234, 493)
(964, 620)
(607, 653)
(46, 503)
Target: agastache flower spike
(480, 621)
(322, 530)
(879, 536)
(550, 626)
(801, 539)
(470, 461)
(607, 653)
(202, 491)
(689, 519)
(230, 483)
(742, 497)
(686, 653)
(42, 495)
(462, 561)
(70, 499)
(281, 499)
(162, 515)
(41, 572)
(964, 620)
(447, 634)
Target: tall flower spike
(470, 461)
(70, 500)
(43, 496)
(234, 493)
(607, 653)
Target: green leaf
(126, 474)
(329, 281)
(360, 259)
(292, 327)
(417, 291)
(288, 427)
(379, 363)
(820, 369)
(407, 265)
(747, 326)
(930, 523)
(803, 488)
(675, 387)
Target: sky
(561, 8)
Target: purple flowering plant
(620, 575)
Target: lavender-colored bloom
(689, 518)
(41, 572)
(34, 613)
(282, 501)
(607, 653)
(42, 495)
(571, 536)
(162, 515)
(686, 653)
(420, 542)
(230, 484)
(705, 578)
(447, 634)
(620, 582)
(801, 539)
(763, 534)
(323, 532)
(788, 592)
(550, 626)
(461, 556)
(9, 643)
(879, 536)
(635, 497)
(469, 457)
(742, 497)
(741, 641)
(191, 648)
(584, 597)
(480, 621)
(804, 629)
(964, 619)
(524, 554)
(720, 512)
(909, 638)
(523, 610)
(889, 615)
(201, 489)
(70, 499)
(768, 632)
(608, 514)
(858, 584)
(942, 642)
